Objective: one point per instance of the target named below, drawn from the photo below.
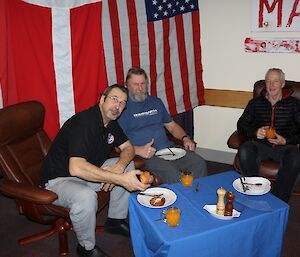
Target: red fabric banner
(66, 54)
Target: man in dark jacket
(274, 109)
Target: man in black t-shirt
(76, 167)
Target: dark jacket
(286, 117)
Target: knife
(152, 195)
(253, 184)
(164, 154)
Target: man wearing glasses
(77, 166)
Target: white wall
(224, 27)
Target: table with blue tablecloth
(258, 232)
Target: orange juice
(270, 133)
(173, 216)
(187, 179)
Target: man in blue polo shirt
(144, 122)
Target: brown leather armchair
(23, 146)
(268, 168)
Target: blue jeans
(251, 153)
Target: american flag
(65, 53)
(161, 36)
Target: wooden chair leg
(99, 229)
(39, 236)
(62, 226)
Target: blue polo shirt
(142, 121)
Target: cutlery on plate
(152, 195)
(171, 151)
(164, 154)
(253, 184)
(245, 187)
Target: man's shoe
(96, 252)
(117, 226)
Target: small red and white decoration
(274, 45)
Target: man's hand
(115, 168)
(130, 181)
(279, 140)
(189, 144)
(107, 187)
(261, 132)
(146, 151)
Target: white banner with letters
(275, 15)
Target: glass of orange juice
(172, 216)
(271, 133)
(187, 178)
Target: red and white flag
(65, 53)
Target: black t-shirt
(83, 135)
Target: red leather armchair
(23, 146)
(268, 169)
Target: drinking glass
(187, 178)
(270, 133)
(172, 216)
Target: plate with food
(252, 185)
(156, 197)
(212, 209)
(171, 153)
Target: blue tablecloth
(259, 231)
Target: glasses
(116, 100)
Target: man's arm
(180, 134)
(80, 167)
(127, 154)
(246, 123)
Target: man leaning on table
(144, 122)
(274, 108)
(77, 166)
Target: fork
(196, 188)
(245, 187)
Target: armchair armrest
(236, 139)
(27, 192)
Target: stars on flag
(162, 9)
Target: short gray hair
(136, 71)
(279, 71)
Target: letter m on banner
(275, 15)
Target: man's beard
(138, 97)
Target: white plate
(213, 208)
(253, 189)
(168, 155)
(168, 194)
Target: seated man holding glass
(144, 122)
(272, 121)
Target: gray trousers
(81, 198)
(169, 171)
